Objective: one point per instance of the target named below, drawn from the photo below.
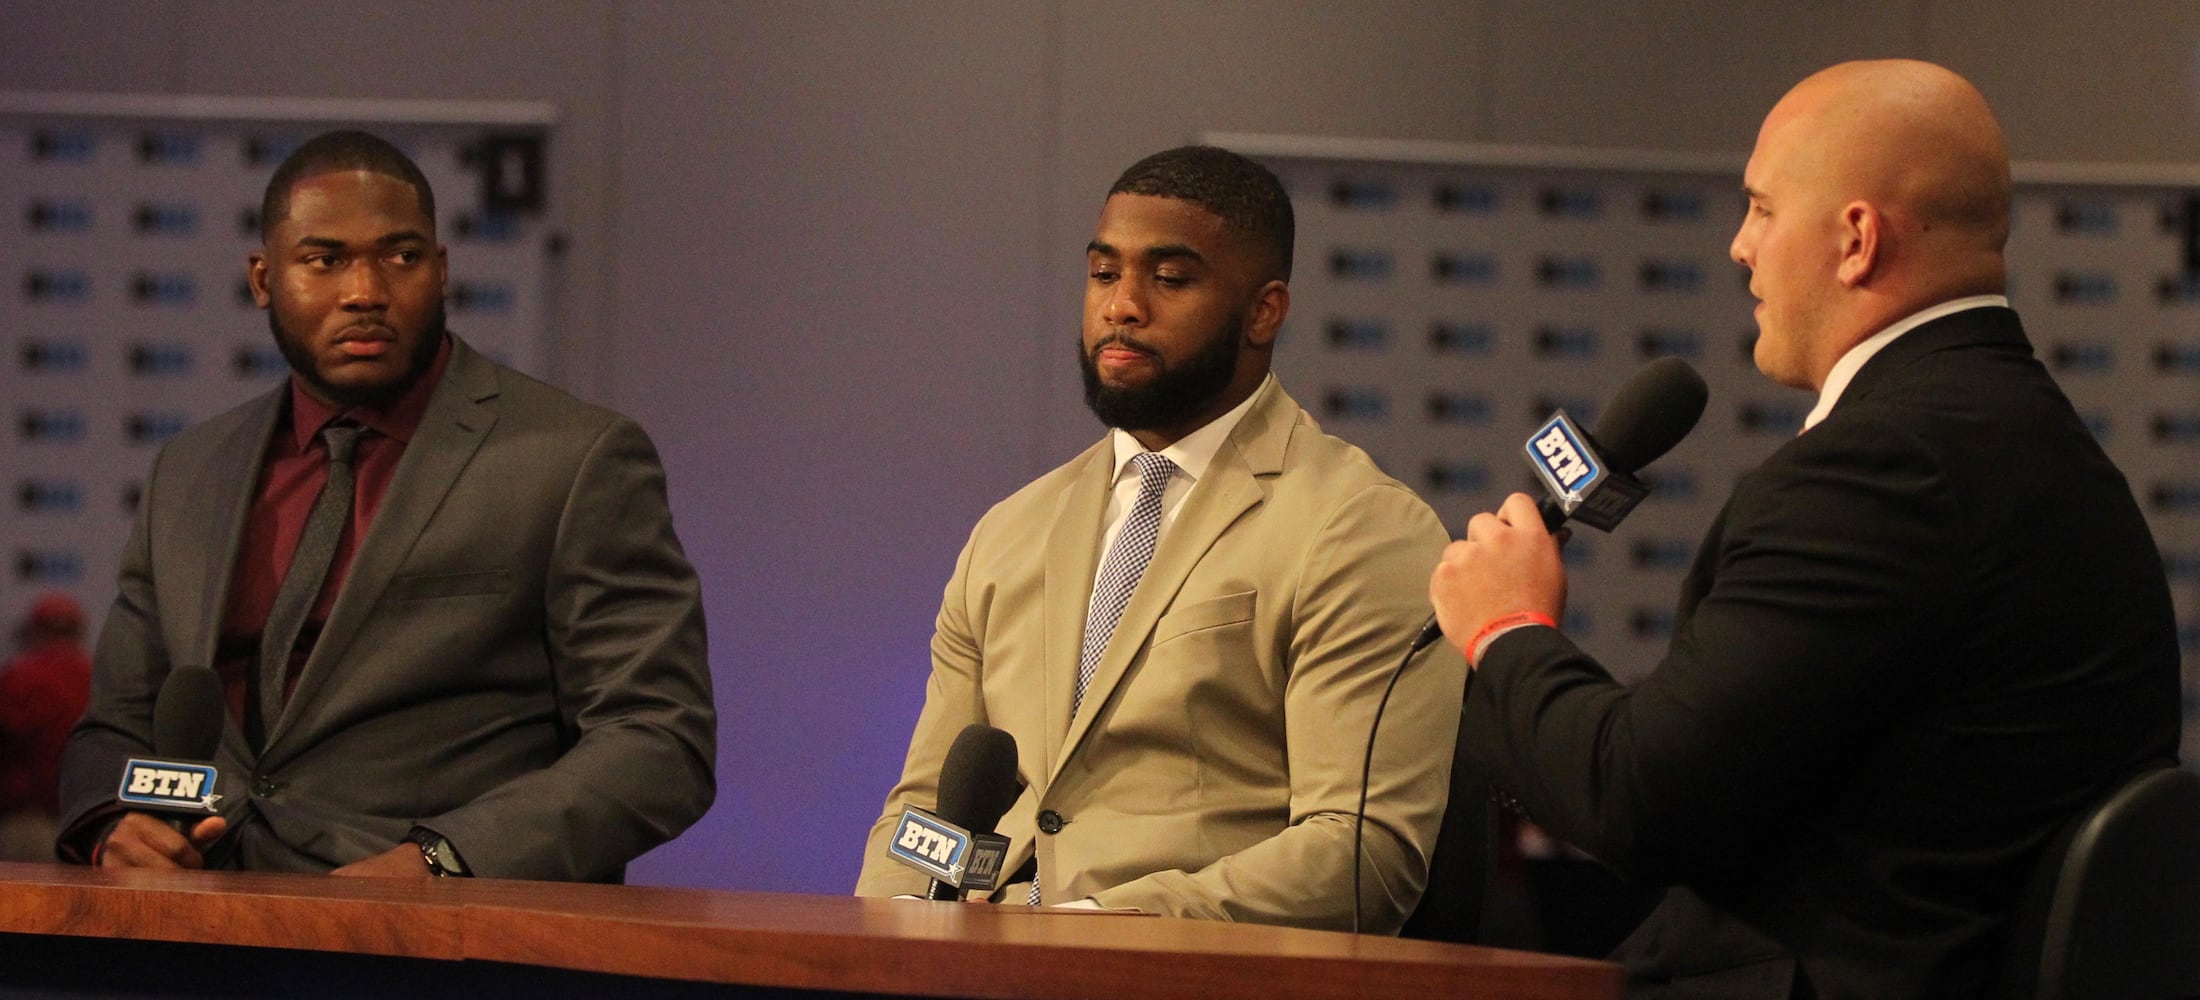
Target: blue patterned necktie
(1120, 572)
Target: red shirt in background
(42, 693)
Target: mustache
(367, 330)
(1119, 338)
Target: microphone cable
(1367, 764)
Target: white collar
(1844, 370)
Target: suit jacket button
(264, 786)
(1050, 821)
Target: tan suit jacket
(1215, 767)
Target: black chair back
(2113, 909)
(1460, 865)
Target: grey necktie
(1120, 572)
(308, 568)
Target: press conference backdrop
(1447, 297)
(126, 317)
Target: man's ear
(1861, 227)
(255, 275)
(1270, 304)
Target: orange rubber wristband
(1503, 622)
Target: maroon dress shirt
(291, 477)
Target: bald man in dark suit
(1918, 638)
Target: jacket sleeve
(625, 639)
(1825, 581)
(951, 701)
(128, 665)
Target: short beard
(302, 364)
(1176, 394)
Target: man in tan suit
(1208, 763)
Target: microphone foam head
(187, 718)
(1651, 413)
(978, 780)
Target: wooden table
(68, 929)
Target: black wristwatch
(435, 849)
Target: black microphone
(956, 845)
(1591, 477)
(187, 732)
(187, 717)
(977, 786)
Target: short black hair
(1245, 194)
(328, 152)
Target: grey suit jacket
(1215, 766)
(516, 658)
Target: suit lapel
(459, 417)
(232, 481)
(1072, 558)
(1231, 487)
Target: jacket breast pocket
(431, 586)
(1214, 612)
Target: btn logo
(955, 856)
(932, 843)
(163, 289)
(49, 566)
(160, 359)
(152, 427)
(48, 496)
(479, 297)
(1561, 457)
(170, 785)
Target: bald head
(1876, 189)
(1912, 137)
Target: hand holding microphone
(142, 840)
(187, 731)
(1508, 564)
(1506, 570)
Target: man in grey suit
(1190, 720)
(484, 657)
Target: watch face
(446, 859)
